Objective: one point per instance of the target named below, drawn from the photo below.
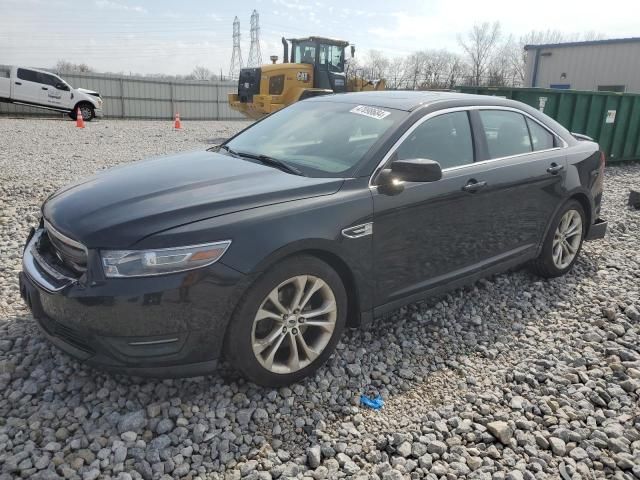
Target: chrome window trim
(431, 115)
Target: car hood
(118, 207)
(90, 92)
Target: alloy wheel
(86, 113)
(567, 238)
(294, 324)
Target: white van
(39, 88)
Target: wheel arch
(329, 253)
(583, 199)
(83, 102)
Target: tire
(262, 348)
(87, 110)
(557, 256)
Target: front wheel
(87, 111)
(563, 242)
(288, 323)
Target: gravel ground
(513, 378)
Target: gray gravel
(513, 378)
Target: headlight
(143, 263)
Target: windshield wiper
(223, 147)
(267, 160)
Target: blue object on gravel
(375, 403)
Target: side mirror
(412, 170)
(416, 170)
(353, 51)
(62, 86)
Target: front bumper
(598, 230)
(98, 113)
(164, 326)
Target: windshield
(304, 52)
(322, 139)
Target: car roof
(409, 100)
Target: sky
(173, 36)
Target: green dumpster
(612, 119)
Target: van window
(506, 133)
(445, 139)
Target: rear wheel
(288, 323)
(563, 242)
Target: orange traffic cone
(177, 125)
(79, 119)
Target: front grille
(72, 254)
(249, 84)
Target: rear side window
(28, 75)
(506, 133)
(445, 139)
(541, 138)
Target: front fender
(265, 235)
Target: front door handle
(18, 83)
(45, 88)
(473, 186)
(554, 169)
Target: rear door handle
(473, 186)
(554, 169)
(45, 88)
(18, 83)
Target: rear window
(28, 75)
(541, 138)
(506, 133)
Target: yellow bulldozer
(316, 67)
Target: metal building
(600, 65)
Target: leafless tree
(64, 66)
(396, 75)
(479, 46)
(201, 73)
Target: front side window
(47, 79)
(445, 139)
(506, 133)
(321, 138)
(541, 138)
(304, 52)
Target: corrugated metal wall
(132, 97)
(586, 67)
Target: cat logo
(302, 76)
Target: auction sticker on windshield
(372, 112)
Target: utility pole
(236, 56)
(255, 57)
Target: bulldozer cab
(327, 57)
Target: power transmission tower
(255, 57)
(236, 56)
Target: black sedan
(322, 215)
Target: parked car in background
(39, 88)
(322, 215)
